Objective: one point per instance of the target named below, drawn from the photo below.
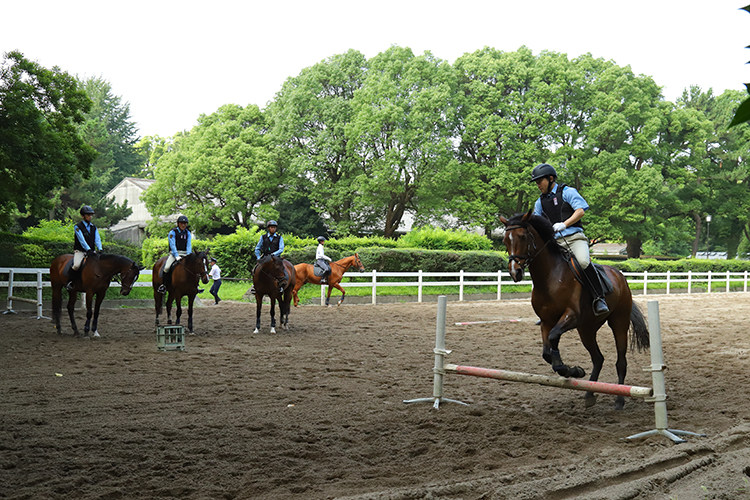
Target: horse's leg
(57, 307)
(588, 339)
(297, 286)
(89, 313)
(97, 306)
(170, 299)
(191, 298)
(337, 287)
(258, 307)
(273, 314)
(178, 306)
(551, 339)
(72, 297)
(158, 298)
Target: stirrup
(70, 286)
(162, 288)
(600, 307)
(201, 290)
(252, 289)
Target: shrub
(444, 239)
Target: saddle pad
(578, 273)
(69, 264)
(318, 270)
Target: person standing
(85, 239)
(564, 207)
(215, 274)
(321, 260)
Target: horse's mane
(118, 259)
(543, 226)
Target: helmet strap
(550, 184)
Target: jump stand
(656, 395)
(170, 338)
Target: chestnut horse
(94, 278)
(305, 274)
(562, 304)
(276, 278)
(186, 274)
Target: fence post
(10, 294)
(709, 281)
(690, 281)
(374, 287)
(668, 275)
(727, 281)
(645, 282)
(419, 292)
(39, 295)
(322, 295)
(744, 288)
(461, 286)
(499, 283)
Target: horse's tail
(639, 338)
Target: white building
(133, 227)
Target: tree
(222, 172)
(151, 149)
(40, 148)
(401, 132)
(309, 116)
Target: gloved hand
(178, 258)
(559, 226)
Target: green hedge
(410, 260)
(677, 266)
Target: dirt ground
(317, 411)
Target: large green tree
(222, 172)
(40, 148)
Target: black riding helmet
(182, 218)
(543, 170)
(85, 210)
(321, 239)
(272, 223)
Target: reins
(528, 258)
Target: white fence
(712, 282)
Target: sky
(175, 60)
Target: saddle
(318, 269)
(607, 287)
(69, 264)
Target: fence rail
(712, 281)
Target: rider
(86, 238)
(271, 243)
(320, 260)
(180, 244)
(564, 207)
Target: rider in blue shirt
(564, 207)
(86, 238)
(270, 244)
(180, 244)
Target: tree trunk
(634, 248)
(698, 227)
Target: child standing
(215, 274)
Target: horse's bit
(527, 258)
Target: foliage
(40, 148)
(681, 265)
(441, 239)
(410, 260)
(223, 172)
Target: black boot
(166, 281)
(594, 285)
(72, 276)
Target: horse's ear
(504, 220)
(527, 215)
(141, 267)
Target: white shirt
(215, 272)
(320, 253)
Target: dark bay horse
(95, 275)
(186, 274)
(305, 274)
(276, 278)
(562, 304)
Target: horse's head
(129, 275)
(358, 263)
(520, 242)
(201, 259)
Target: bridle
(118, 276)
(527, 257)
(201, 273)
(356, 263)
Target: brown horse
(186, 274)
(563, 304)
(305, 274)
(94, 278)
(276, 278)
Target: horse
(276, 278)
(305, 274)
(94, 278)
(186, 274)
(562, 304)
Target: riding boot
(72, 275)
(166, 281)
(596, 289)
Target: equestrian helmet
(321, 239)
(272, 223)
(85, 210)
(182, 218)
(543, 170)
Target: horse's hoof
(590, 400)
(96, 334)
(273, 330)
(169, 321)
(255, 331)
(620, 405)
